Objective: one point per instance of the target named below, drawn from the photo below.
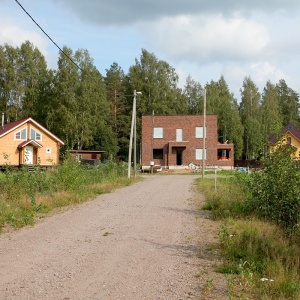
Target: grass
(24, 195)
(259, 257)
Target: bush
(276, 189)
(24, 194)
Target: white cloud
(14, 35)
(198, 38)
(266, 71)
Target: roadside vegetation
(260, 234)
(24, 195)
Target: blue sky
(201, 38)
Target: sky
(205, 39)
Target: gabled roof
(32, 142)
(9, 127)
(291, 128)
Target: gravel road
(144, 241)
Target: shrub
(276, 189)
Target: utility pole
(133, 132)
(204, 133)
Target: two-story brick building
(177, 140)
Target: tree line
(92, 111)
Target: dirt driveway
(144, 241)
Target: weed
(107, 233)
(253, 248)
(23, 194)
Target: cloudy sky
(203, 38)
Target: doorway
(178, 157)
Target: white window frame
(35, 134)
(199, 154)
(48, 150)
(199, 132)
(179, 135)
(158, 133)
(20, 132)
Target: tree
(193, 93)
(221, 102)
(251, 120)
(119, 112)
(272, 119)
(157, 80)
(289, 103)
(79, 112)
(33, 78)
(11, 87)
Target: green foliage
(276, 189)
(251, 119)
(25, 194)
(228, 199)
(260, 258)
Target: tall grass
(23, 194)
(261, 259)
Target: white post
(204, 133)
(131, 132)
(134, 148)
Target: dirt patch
(145, 241)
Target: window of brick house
(178, 135)
(199, 132)
(158, 153)
(289, 140)
(158, 132)
(199, 154)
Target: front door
(28, 155)
(178, 157)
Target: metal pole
(131, 133)
(204, 133)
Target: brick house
(178, 141)
(26, 142)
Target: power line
(62, 51)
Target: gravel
(144, 241)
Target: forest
(90, 110)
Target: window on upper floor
(178, 135)
(21, 135)
(35, 135)
(199, 132)
(289, 141)
(158, 132)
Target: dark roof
(288, 128)
(8, 127)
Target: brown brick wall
(189, 144)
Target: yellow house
(290, 135)
(26, 142)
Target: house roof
(291, 128)
(9, 127)
(33, 142)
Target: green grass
(24, 195)
(258, 256)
